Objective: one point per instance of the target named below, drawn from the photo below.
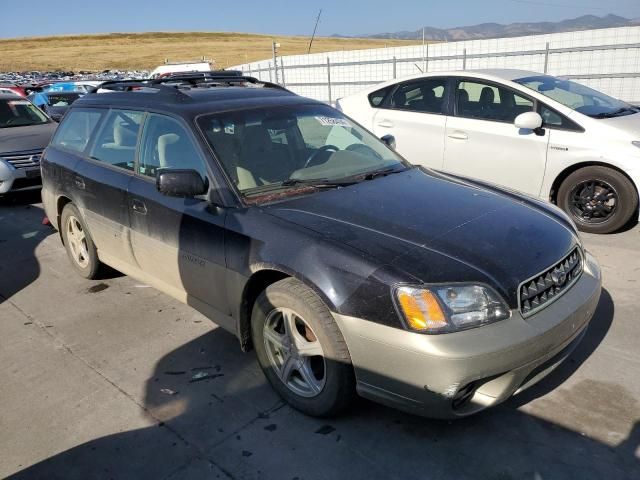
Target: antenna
(314, 31)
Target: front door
(414, 115)
(177, 242)
(482, 142)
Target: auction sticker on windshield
(331, 121)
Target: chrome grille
(28, 159)
(537, 292)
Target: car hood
(32, 137)
(438, 228)
(629, 124)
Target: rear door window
(117, 140)
(76, 129)
(426, 96)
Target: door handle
(385, 123)
(458, 135)
(138, 206)
(79, 183)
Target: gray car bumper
(457, 374)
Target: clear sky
(347, 17)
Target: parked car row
(347, 268)
(538, 134)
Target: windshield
(19, 113)
(279, 148)
(578, 97)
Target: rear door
(101, 180)
(178, 242)
(414, 113)
(482, 142)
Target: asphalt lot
(96, 382)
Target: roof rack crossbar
(205, 77)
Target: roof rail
(193, 80)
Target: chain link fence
(605, 59)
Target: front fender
(347, 280)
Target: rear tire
(78, 243)
(308, 362)
(598, 199)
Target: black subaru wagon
(346, 268)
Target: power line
(314, 31)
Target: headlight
(450, 308)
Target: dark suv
(294, 228)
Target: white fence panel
(605, 59)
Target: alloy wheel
(593, 201)
(294, 352)
(77, 240)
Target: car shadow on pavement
(20, 223)
(212, 415)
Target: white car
(538, 134)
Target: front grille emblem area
(538, 292)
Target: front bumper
(457, 374)
(18, 179)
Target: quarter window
(76, 129)
(425, 96)
(489, 102)
(551, 118)
(376, 98)
(118, 137)
(166, 144)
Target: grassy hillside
(147, 50)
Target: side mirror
(528, 121)
(390, 141)
(180, 183)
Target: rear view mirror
(180, 183)
(390, 141)
(528, 121)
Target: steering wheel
(364, 150)
(324, 148)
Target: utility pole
(314, 31)
(274, 47)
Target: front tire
(598, 199)
(301, 350)
(78, 243)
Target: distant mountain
(495, 30)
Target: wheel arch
(562, 176)
(259, 280)
(61, 202)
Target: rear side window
(376, 98)
(426, 96)
(117, 139)
(76, 129)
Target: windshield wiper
(299, 182)
(380, 173)
(615, 113)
